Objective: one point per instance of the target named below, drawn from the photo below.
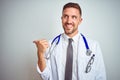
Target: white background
(22, 21)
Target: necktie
(69, 61)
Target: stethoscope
(56, 41)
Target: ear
(80, 20)
(61, 17)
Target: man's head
(71, 18)
(73, 5)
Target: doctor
(81, 61)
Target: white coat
(53, 69)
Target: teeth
(69, 25)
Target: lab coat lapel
(81, 59)
(58, 58)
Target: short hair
(73, 5)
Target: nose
(69, 20)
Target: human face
(71, 19)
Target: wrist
(40, 54)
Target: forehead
(71, 11)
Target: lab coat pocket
(87, 68)
(90, 68)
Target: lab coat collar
(75, 38)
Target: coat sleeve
(100, 68)
(45, 74)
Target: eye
(74, 17)
(65, 16)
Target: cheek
(77, 23)
(63, 22)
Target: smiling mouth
(68, 25)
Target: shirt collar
(75, 38)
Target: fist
(41, 45)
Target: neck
(72, 34)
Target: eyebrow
(70, 15)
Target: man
(68, 59)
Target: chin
(68, 32)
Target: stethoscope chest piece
(88, 52)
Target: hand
(41, 45)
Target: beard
(68, 30)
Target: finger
(35, 42)
(46, 44)
(40, 41)
(43, 40)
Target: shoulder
(94, 47)
(92, 41)
(93, 44)
(55, 39)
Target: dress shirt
(64, 47)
